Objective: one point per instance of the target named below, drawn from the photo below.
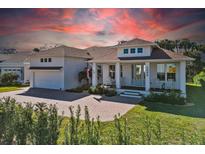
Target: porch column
(182, 74)
(94, 75)
(117, 75)
(147, 76)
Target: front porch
(143, 76)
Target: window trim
(45, 60)
(112, 72)
(49, 60)
(126, 51)
(140, 51)
(133, 50)
(166, 72)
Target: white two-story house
(135, 64)
(57, 68)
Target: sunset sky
(25, 29)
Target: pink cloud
(104, 13)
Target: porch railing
(163, 85)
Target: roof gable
(135, 42)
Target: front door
(138, 77)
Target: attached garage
(49, 79)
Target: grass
(174, 120)
(11, 88)
(7, 89)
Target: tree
(188, 48)
(36, 50)
(9, 78)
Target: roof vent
(121, 42)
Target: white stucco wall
(67, 76)
(56, 61)
(146, 52)
(26, 72)
(72, 67)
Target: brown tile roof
(18, 57)
(134, 42)
(102, 53)
(110, 54)
(65, 51)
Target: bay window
(166, 72)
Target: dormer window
(126, 51)
(139, 50)
(132, 50)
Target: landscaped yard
(179, 124)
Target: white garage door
(48, 79)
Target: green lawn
(176, 121)
(8, 88)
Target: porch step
(133, 94)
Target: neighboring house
(134, 64)
(57, 68)
(16, 63)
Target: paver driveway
(105, 107)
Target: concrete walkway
(105, 107)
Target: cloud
(100, 26)
(104, 13)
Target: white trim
(136, 61)
(117, 75)
(94, 74)
(147, 76)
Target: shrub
(110, 92)
(101, 89)
(75, 90)
(172, 97)
(79, 89)
(202, 82)
(200, 77)
(122, 131)
(8, 78)
(82, 132)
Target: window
(138, 72)
(139, 50)
(49, 60)
(161, 72)
(112, 71)
(171, 72)
(41, 60)
(126, 51)
(45, 59)
(132, 50)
